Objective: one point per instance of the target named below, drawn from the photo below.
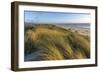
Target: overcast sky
(56, 17)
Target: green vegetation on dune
(55, 43)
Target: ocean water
(72, 26)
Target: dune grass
(56, 43)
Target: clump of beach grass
(56, 43)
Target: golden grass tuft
(56, 43)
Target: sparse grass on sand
(55, 43)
